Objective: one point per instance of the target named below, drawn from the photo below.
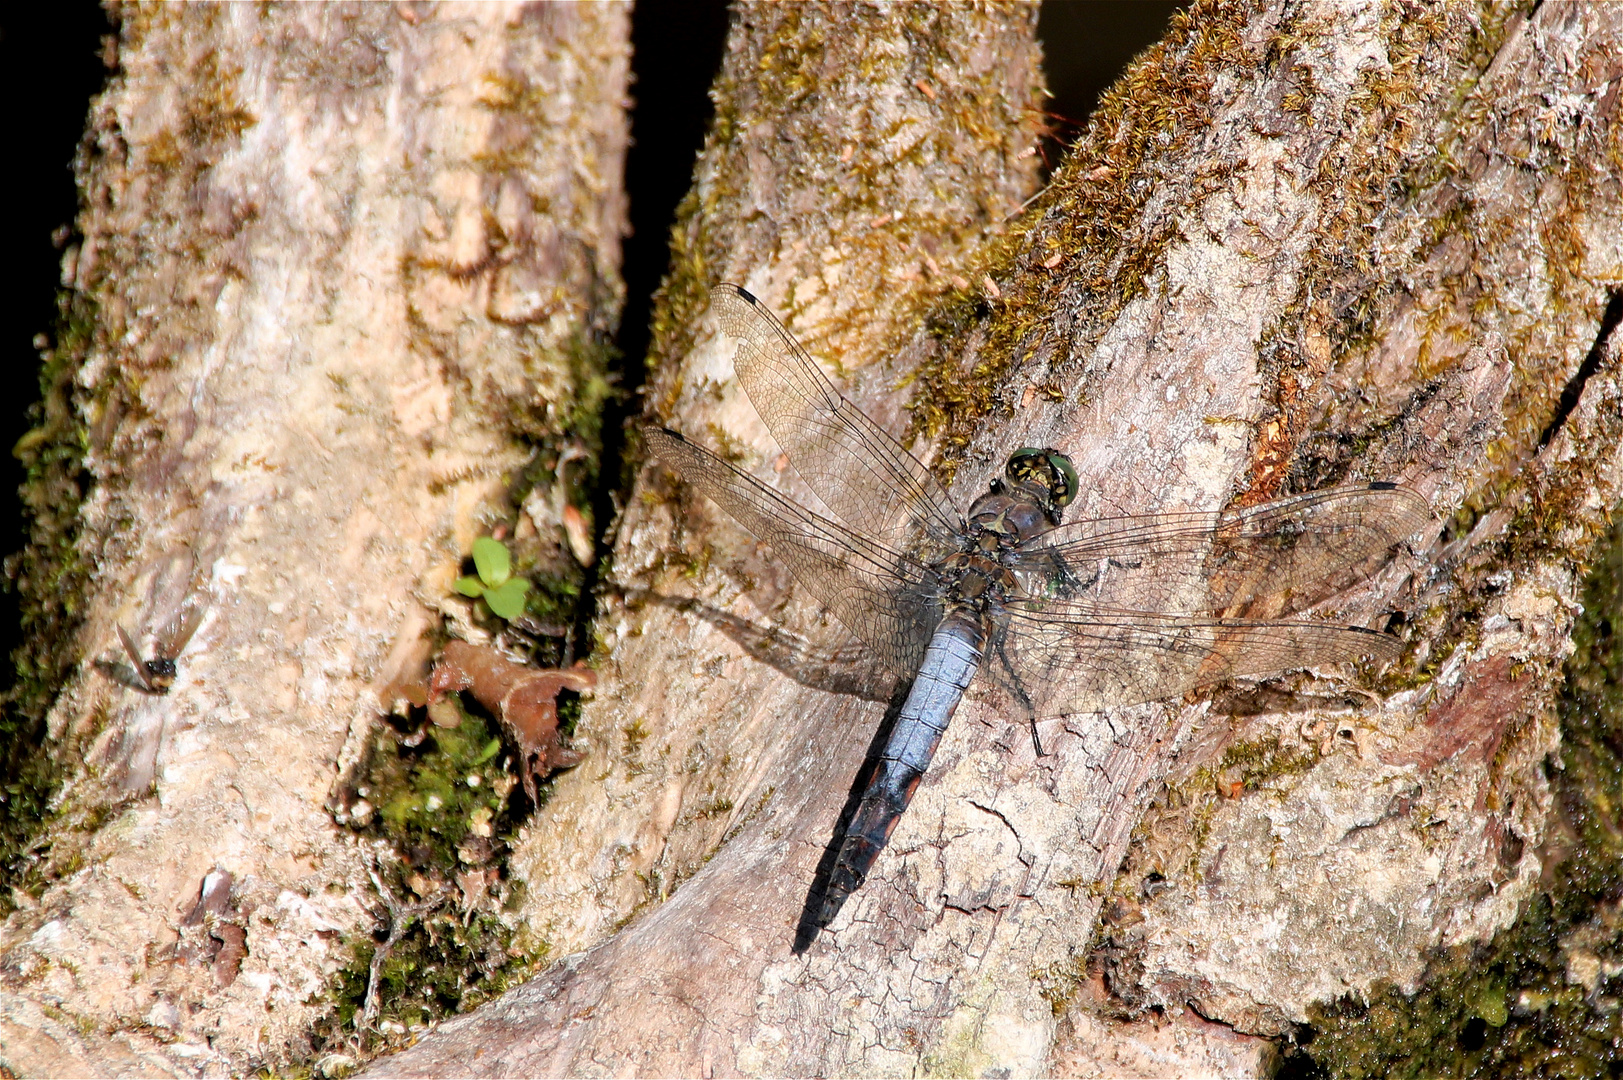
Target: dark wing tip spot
(747, 295)
(1383, 485)
(652, 432)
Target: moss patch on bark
(1544, 997)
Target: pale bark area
(337, 258)
(1336, 241)
(1421, 822)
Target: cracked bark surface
(1298, 245)
(319, 305)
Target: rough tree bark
(343, 267)
(1298, 244)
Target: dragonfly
(1060, 618)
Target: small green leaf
(1490, 1006)
(491, 749)
(495, 565)
(508, 600)
(469, 586)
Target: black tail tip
(820, 910)
(805, 934)
(815, 916)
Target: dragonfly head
(1049, 471)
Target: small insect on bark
(158, 674)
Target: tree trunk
(1298, 244)
(345, 271)
(328, 285)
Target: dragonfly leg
(1013, 684)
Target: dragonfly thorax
(999, 522)
(974, 578)
(1010, 514)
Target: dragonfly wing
(1297, 548)
(1060, 657)
(885, 598)
(862, 474)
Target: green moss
(448, 806)
(425, 801)
(591, 362)
(1093, 216)
(50, 576)
(553, 599)
(443, 966)
(682, 295)
(1253, 764)
(1544, 997)
(1244, 766)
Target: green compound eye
(1065, 483)
(1025, 463)
(1047, 467)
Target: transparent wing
(859, 471)
(885, 598)
(1057, 657)
(1297, 548)
(135, 656)
(178, 631)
